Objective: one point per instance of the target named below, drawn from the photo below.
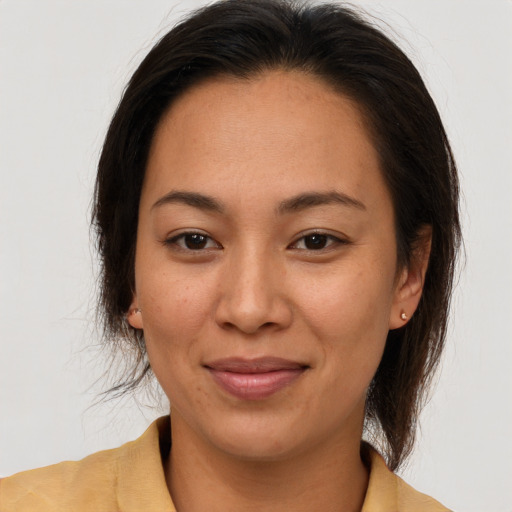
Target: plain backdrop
(63, 65)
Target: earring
(403, 316)
(137, 310)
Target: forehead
(278, 129)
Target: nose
(252, 296)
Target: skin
(258, 285)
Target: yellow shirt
(131, 479)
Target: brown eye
(316, 241)
(195, 241)
(192, 242)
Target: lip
(254, 379)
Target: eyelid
(336, 240)
(172, 239)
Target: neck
(324, 478)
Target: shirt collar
(142, 486)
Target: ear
(134, 315)
(410, 281)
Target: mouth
(254, 379)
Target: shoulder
(387, 492)
(65, 486)
(102, 482)
(410, 499)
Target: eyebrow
(294, 204)
(311, 199)
(191, 199)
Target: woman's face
(266, 264)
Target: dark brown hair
(241, 38)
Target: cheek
(345, 301)
(349, 314)
(175, 309)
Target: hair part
(244, 38)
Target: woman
(276, 207)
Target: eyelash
(334, 241)
(174, 241)
(331, 240)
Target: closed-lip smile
(254, 379)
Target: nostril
(248, 328)
(250, 313)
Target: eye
(193, 242)
(317, 242)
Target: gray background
(63, 65)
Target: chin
(259, 437)
(257, 447)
